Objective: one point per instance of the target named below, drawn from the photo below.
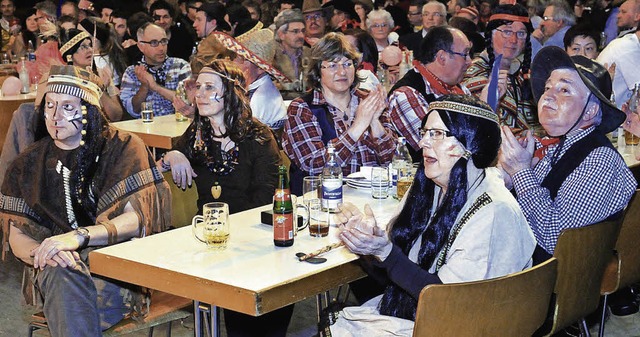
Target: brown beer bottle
(282, 211)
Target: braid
(525, 87)
(94, 132)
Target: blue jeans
(78, 304)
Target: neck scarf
(437, 85)
(159, 72)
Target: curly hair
(479, 136)
(331, 47)
(238, 119)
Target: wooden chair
(512, 305)
(184, 203)
(164, 308)
(583, 254)
(623, 269)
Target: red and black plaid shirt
(302, 138)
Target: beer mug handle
(305, 223)
(194, 224)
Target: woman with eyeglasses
(380, 25)
(507, 34)
(334, 112)
(77, 49)
(457, 222)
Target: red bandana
(545, 142)
(437, 85)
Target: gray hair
(286, 17)
(441, 6)
(49, 8)
(379, 14)
(143, 28)
(561, 11)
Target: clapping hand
(360, 233)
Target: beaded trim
(81, 36)
(75, 86)
(464, 109)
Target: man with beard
(290, 48)
(315, 18)
(156, 77)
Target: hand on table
(360, 233)
(181, 170)
(516, 154)
(57, 250)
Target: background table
(160, 133)
(9, 104)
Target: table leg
(211, 322)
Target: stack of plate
(358, 180)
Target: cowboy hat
(256, 46)
(593, 75)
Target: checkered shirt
(178, 70)
(302, 138)
(407, 108)
(599, 187)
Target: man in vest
(574, 177)
(443, 60)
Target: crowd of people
(505, 106)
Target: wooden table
(251, 276)
(160, 133)
(9, 104)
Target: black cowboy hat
(593, 75)
(346, 6)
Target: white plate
(360, 183)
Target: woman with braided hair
(508, 34)
(81, 185)
(457, 222)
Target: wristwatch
(84, 233)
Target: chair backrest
(184, 203)
(627, 244)
(512, 305)
(583, 254)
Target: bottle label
(282, 226)
(282, 195)
(331, 193)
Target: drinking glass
(405, 178)
(379, 182)
(318, 219)
(311, 188)
(147, 112)
(212, 227)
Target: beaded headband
(81, 36)
(76, 82)
(208, 70)
(509, 17)
(464, 109)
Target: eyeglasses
(463, 55)
(85, 46)
(333, 66)
(414, 14)
(380, 25)
(434, 134)
(296, 31)
(547, 18)
(507, 34)
(313, 17)
(155, 43)
(436, 14)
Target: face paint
(215, 97)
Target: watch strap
(86, 237)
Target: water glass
(147, 112)
(380, 182)
(311, 188)
(212, 227)
(318, 219)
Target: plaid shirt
(302, 138)
(177, 70)
(599, 187)
(407, 108)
